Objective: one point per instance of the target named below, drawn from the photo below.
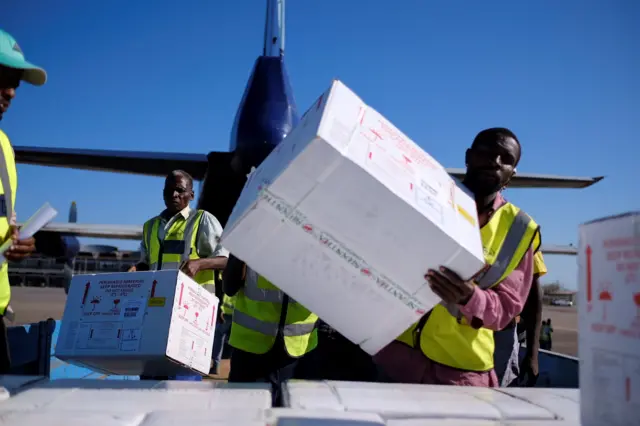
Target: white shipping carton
(609, 320)
(347, 214)
(152, 323)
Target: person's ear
(513, 173)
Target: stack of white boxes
(609, 321)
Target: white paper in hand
(40, 218)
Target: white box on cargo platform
(609, 320)
(153, 323)
(347, 214)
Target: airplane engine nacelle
(56, 245)
(266, 115)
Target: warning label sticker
(119, 288)
(114, 300)
(194, 306)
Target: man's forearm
(494, 308)
(532, 316)
(233, 276)
(214, 263)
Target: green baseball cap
(11, 56)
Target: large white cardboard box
(609, 320)
(347, 214)
(152, 323)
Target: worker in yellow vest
(181, 237)
(453, 343)
(13, 69)
(545, 335)
(270, 332)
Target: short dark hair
(497, 133)
(181, 173)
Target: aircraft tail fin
(274, 29)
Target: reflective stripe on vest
(446, 337)
(9, 182)
(271, 328)
(178, 246)
(257, 294)
(257, 319)
(499, 269)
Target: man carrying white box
(183, 238)
(453, 343)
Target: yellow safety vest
(446, 337)
(9, 160)
(228, 304)
(179, 245)
(259, 317)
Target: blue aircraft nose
(266, 114)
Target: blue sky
(169, 77)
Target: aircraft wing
(117, 232)
(556, 249)
(534, 180)
(135, 162)
(134, 232)
(161, 163)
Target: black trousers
(273, 367)
(5, 354)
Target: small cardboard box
(347, 214)
(609, 320)
(152, 323)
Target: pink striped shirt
(493, 308)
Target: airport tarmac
(32, 304)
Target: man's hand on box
(20, 248)
(449, 286)
(191, 267)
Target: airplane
(266, 114)
(60, 245)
